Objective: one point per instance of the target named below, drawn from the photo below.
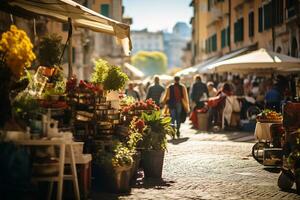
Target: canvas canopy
(259, 60)
(138, 73)
(81, 16)
(187, 71)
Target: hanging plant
(50, 50)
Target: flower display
(149, 105)
(137, 125)
(16, 50)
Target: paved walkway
(209, 166)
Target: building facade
(223, 26)
(144, 40)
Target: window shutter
(104, 10)
(267, 16)
(214, 42)
(228, 36)
(260, 19)
(223, 38)
(241, 29)
(251, 24)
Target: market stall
(52, 122)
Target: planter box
(152, 163)
(115, 180)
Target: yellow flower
(17, 47)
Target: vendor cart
(268, 150)
(290, 170)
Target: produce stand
(268, 133)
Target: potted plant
(136, 131)
(16, 53)
(155, 143)
(56, 92)
(50, 50)
(115, 79)
(116, 166)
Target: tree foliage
(150, 63)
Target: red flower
(140, 125)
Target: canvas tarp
(81, 17)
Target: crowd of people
(226, 102)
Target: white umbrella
(165, 77)
(259, 60)
(187, 71)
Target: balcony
(215, 15)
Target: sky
(157, 14)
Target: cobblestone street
(210, 166)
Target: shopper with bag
(176, 98)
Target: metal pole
(70, 70)
(229, 22)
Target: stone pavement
(209, 166)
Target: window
(267, 16)
(214, 42)
(290, 6)
(228, 36)
(239, 30)
(260, 19)
(225, 37)
(278, 10)
(251, 24)
(211, 44)
(73, 54)
(66, 55)
(65, 27)
(104, 9)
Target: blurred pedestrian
(132, 92)
(155, 91)
(212, 91)
(199, 92)
(176, 98)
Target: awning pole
(70, 73)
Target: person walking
(199, 92)
(155, 91)
(176, 98)
(212, 91)
(132, 92)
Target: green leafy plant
(115, 79)
(158, 128)
(50, 50)
(137, 128)
(25, 105)
(100, 71)
(118, 156)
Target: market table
(262, 130)
(61, 176)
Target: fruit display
(269, 116)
